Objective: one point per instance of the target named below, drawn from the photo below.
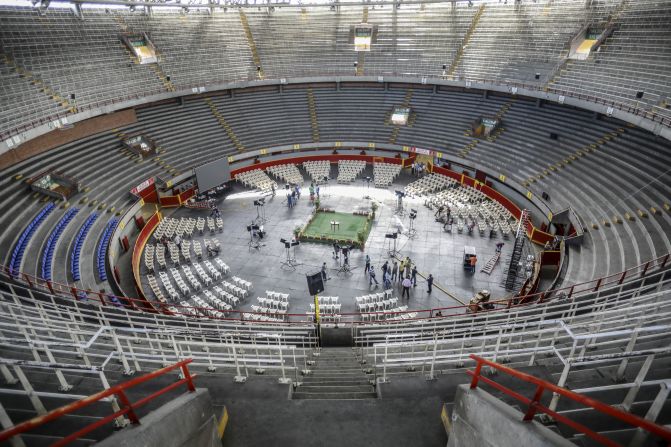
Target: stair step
(307, 380)
(335, 396)
(335, 389)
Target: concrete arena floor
(433, 250)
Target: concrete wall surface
(188, 420)
(481, 420)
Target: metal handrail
(534, 405)
(118, 391)
(420, 314)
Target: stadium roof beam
(270, 3)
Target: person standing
(408, 267)
(336, 249)
(371, 277)
(317, 190)
(414, 276)
(367, 268)
(429, 283)
(406, 287)
(386, 279)
(385, 267)
(324, 275)
(394, 271)
(473, 260)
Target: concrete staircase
(336, 374)
(464, 44)
(225, 125)
(406, 103)
(314, 123)
(252, 44)
(160, 74)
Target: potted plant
(317, 203)
(297, 231)
(360, 237)
(373, 207)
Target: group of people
(418, 169)
(314, 191)
(293, 194)
(405, 273)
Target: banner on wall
(142, 186)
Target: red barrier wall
(333, 158)
(170, 201)
(140, 242)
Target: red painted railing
(534, 405)
(127, 408)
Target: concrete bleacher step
(336, 374)
(338, 395)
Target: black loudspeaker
(537, 76)
(545, 196)
(639, 95)
(315, 283)
(72, 96)
(167, 78)
(554, 136)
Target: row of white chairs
(153, 285)
(288, 173)
(181, 284)
(374, 297)
(167, 285)
(149, 257)
(318, 169)
(269, 311)
(327, 300)
(377, 306)
(195, 283)
(327, 308)
(429, 184)
(243, 284)
(216, 302)
(257, 179)
(384, 174)
(349, 170)
(271, 303)
(171, 227)
(215, 224)
(277, 296)
(226, 296)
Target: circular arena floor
(432, 249)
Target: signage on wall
(142, 186)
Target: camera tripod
(290, 262)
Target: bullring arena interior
(366, 223)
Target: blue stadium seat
(19, 249)
(101, 252)
(50, 247)
(79, 242)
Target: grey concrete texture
(482, 420)
(188, 420)
(432, 250)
